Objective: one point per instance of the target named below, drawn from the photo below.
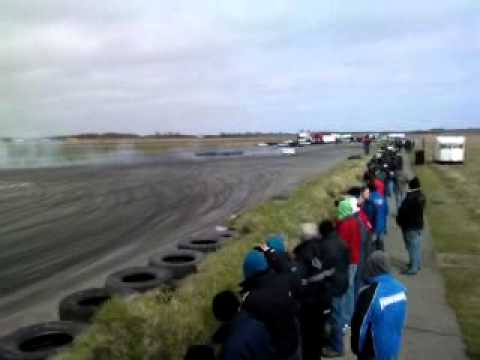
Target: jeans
(390, 188)
(342, 313)
(413, 242)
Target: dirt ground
(65, 229)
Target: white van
(449, 149)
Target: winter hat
(326, 228)
(354, 203)
(355, 191)
(254, 264)
(277, 243)
(377, 264)
(308, 231)
(200, 352)
(225, 306)
(344, 209)
(414, 184)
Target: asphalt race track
(65, 229)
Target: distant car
(262, 144)
(289, 151)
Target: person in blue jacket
(381, 211)
(380, 313)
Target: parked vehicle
(449, 149)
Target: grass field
(454, 216)
(161, 325)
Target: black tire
(202, 245)
(354, 157)
(180, 262)
(83, 305)
(139, 279)
(39, 342)
(227, 235)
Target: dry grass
(454, 217)
(161, 325)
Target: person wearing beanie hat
(240, 335)
(380, 313)
(349, 229)
(410, 220)
(323, 264)
(276, 254)
(268, 297)
(277, 243)
(379, 214)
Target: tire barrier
(39, 342)
(180, 262)
(139, 279)
(354, 157)
(82, 306)
(203, 245)
(227, 235)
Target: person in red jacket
(349, 229)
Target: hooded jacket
(410, 214)
(380, 312)
(327, 256)
(247, 339)
(269, 299)
(379, 319)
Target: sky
(69, 66)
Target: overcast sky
(69, 66)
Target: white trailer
(329, 139)
(449, 149)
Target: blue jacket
(381, 213)
(379, 319)
(247, 339)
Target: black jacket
(332, 255)
(269, 299)
(244, 338)
(410, 214)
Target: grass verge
(161, 325)
(454, 218)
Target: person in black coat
(242, 337)
(410, 220)
(322, 265)
(269, 298)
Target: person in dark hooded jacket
(410, 220)
(242, 337)
(269, 298)
(323, 267)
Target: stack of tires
(76, 311)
